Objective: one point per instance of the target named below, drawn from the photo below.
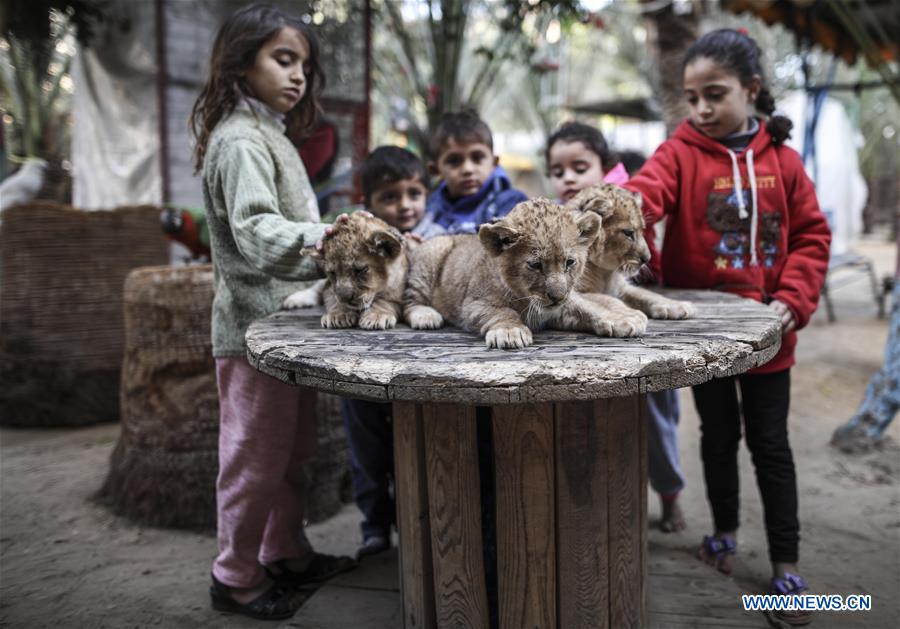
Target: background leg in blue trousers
(663, 460)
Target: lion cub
(515, 276)
(619, 253)
(365, 265)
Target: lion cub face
(621, 245)
(360, 259)
(540, 249)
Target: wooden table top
(729, 336)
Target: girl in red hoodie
(742, 217)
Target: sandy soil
(66, 562)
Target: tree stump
(61, 329)
(163, 469)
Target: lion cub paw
(622, 324)
(424, 318)
(508, 338)
(632, 324)
(602, 327)
(307, 298)
(377, 320)
(673, 310)
(339, 319)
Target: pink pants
(267, 430)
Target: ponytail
(778, 126)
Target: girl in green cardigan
(264, 79)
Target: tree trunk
(670, 37)
(57, 184)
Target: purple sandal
(717, 548)
(791, 585)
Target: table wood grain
(729, 335)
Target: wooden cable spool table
(569, 448)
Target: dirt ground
(66, 562)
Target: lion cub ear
(385, 243)
(497, 237)
(596, 199)
(588, 227)
(638, 198)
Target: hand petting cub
(515, 277)
(365, 264)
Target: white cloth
(840, 187)
(115, 135)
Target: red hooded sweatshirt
(768, 242)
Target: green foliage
(31, 20)
(36, 48)
(444, 55)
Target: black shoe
(320, 568)
(276, 603)
(372, 546)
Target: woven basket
(163, 468)
(61, 331)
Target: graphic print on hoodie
(723, 215)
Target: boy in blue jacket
(473, 188)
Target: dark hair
(462, 126)
(389, 164)
(234, 51)
(590, 136)
(739, 54)
(632, 161)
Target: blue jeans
(882, 399)
(370, 432)
(663, 461)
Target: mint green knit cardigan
(261, 211)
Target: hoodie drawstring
(754, 217)
(738, 185)
(739, 196)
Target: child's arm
(267, 240)
(658, 181)
(809, 238)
